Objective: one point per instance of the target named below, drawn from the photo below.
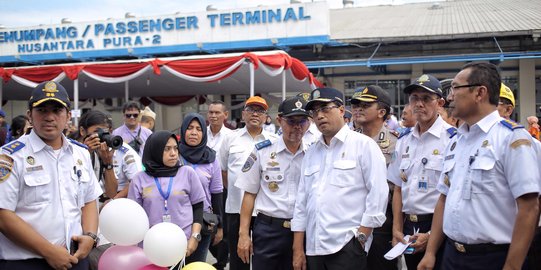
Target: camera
(114, 142)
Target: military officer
(48, 211)
(417, 165)
(371, 106)
(270, 178)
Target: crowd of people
(456, 180)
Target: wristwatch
(108, 166)
(197, 236)
(361, 237)
(94, 237)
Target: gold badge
(435, 152)
(520, 142)
(365, 90)
(30, 160)
(273, 155)
(446, 180)
(273, 186)
(50, 89)
(384, 143)
(485, 143)
(79, 162)
(423, 79)
(273, 163)
(403, 176)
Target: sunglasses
(132, 115)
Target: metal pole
(283, 85)
(252, 91)
(76, 101)
(127, 90)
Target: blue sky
(17, 13)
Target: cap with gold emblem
(425, 82)
(293, 106)
(49, 91)
(325, 95)
(371, 93)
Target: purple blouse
(186, 191)
(210, 175)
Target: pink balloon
(123, 257)
(153, 267)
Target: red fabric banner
(115, 70)
(39, 74)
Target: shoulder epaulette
(123, 149)
(13, 147)
(452, 132)
(78, 143)
(404, 133)
(510, 124)
(263, 144)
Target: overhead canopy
(159, 77)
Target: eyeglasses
(463, 86)
(294, 122)
(324, 109)
(423, 99)
(132, 115)
(252, 110)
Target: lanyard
(164, 196)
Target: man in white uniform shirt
(342, 191)
(233, 153)
(416, 167)
(216, 132)
(488, 207)
(48, 191)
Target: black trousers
(382, 244)
(273, 245)
(233, 223)
(38, 264)
(221, 250)
(412, 260)
(533, 261)
(350, 257)
(453, 259)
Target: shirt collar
(484, 124)
(340, 135)
(435, 129)
(38, 144)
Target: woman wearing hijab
(168, 191)
(196, 154)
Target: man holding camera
(48, 213)
(132, 132)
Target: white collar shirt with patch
(419, 158)
(233, 153)
(487, 167)
(274, 176)
(46, 192)
(343, 186)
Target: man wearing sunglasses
(416, 167)
(235, 149)
(132, 132)
(342, 191)
(371, 107)
(270, 178)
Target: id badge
(166, 218)
(422, 185)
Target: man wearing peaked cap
(342, 192)
(371, 106)
(416, 167)
(270, 178)
(47, 184)
(235, 148)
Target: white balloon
(123, 222)
(165, 244)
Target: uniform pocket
(344, 173)
(38, 189)
(483, 172)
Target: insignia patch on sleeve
(249, 162)
(520, 142)
(6, 165)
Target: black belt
(477, 248)
(283, 222)
(419, 218)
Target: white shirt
(234, 151)
(419, 194)
(488, 167)
(342, 186)
(273, 174)
(215, 141)
(270, 128)
(126, 164)
(311, 135)
(46, 191)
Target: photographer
(113, 167)
(132, 132)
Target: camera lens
(114, 142)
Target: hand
(398, 237)
(427, 263)
(92, 141)
(218, 236)
(245, 248)
(105, 154)
(192, 246)
(299, 259)
(86, 243)
(420, 239)
(59, 258)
